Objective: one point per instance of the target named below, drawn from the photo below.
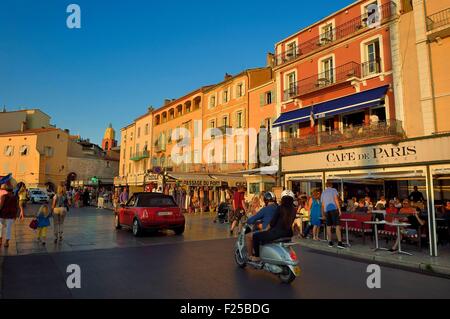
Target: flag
(311, 118)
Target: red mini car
(150, 211)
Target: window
(240, 90)
(129, 168)
(139, 132)
(131, 151)
(225, 121)
(372, 64)
(327, 34)
(212, 101)
(131, 137)
(327, 75)
(291, 50)
(371, 14)
(291, 85)
(146, 129)
(9, 150)
(48, 151)
(123, 170)
(225, 96)
(212, 124)
(137, 148)
(292, 131)
(24, 150)
(253, 188)
(239, 120)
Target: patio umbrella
(5, 179)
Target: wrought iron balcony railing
(390, 130)
(322, 80)
(386, 12)
(438, 19)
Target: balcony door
(291, 84)
(372, 66)
(327, 75)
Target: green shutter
(262, 99)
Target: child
(43, 219)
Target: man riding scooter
(280, 226)
(264, 216)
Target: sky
(132, 54)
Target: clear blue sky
(134, 53)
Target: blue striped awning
(362, 100)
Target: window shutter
(262, 101)
(244, 123)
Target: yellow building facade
(37, 157)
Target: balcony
(341, 74)
(139, 156)
(159, 148)
(343, 31)
(390, 131)
(438, 24)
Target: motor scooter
(277, 257)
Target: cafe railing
(391, 129)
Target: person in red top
(238, 208)
(391, 209)
(8, 212)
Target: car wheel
(137, 230)
(117, 222)
(179, 230)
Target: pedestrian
(331, 210)
(123, 198)
(238, 208)
(416, 196)
(23, 198)
(116, 200)
(314, 206)
(43, 222)
(59, 206)
(8, 212)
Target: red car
(150, 211)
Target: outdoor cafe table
(347, 220)
(377, 212)
(399, 236)
(376, 223)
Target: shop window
(254, 188)
(269, 186)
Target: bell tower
(109, 139)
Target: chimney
(270, 60)
(23, 126)
(227, 76)
(167, 101)
(150, 109)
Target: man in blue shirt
(264, 215)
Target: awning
(232, 180)
(362, 100)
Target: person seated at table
(391, 209)
(415, 221)
(382, 202)
(352, 204)
(398, 203)
(368, 202)
(446, 210)
(407, 209)
(362, 208)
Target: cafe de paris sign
(416, 151)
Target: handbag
(34, 224)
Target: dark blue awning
(362, 100)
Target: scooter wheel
(287, 276)
(239, 260)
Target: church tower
(109, 139)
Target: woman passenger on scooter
(280, 226)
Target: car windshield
(151, 201)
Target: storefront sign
(410, 152)
(201, 183)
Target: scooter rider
(280, 225)
(264, 215)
